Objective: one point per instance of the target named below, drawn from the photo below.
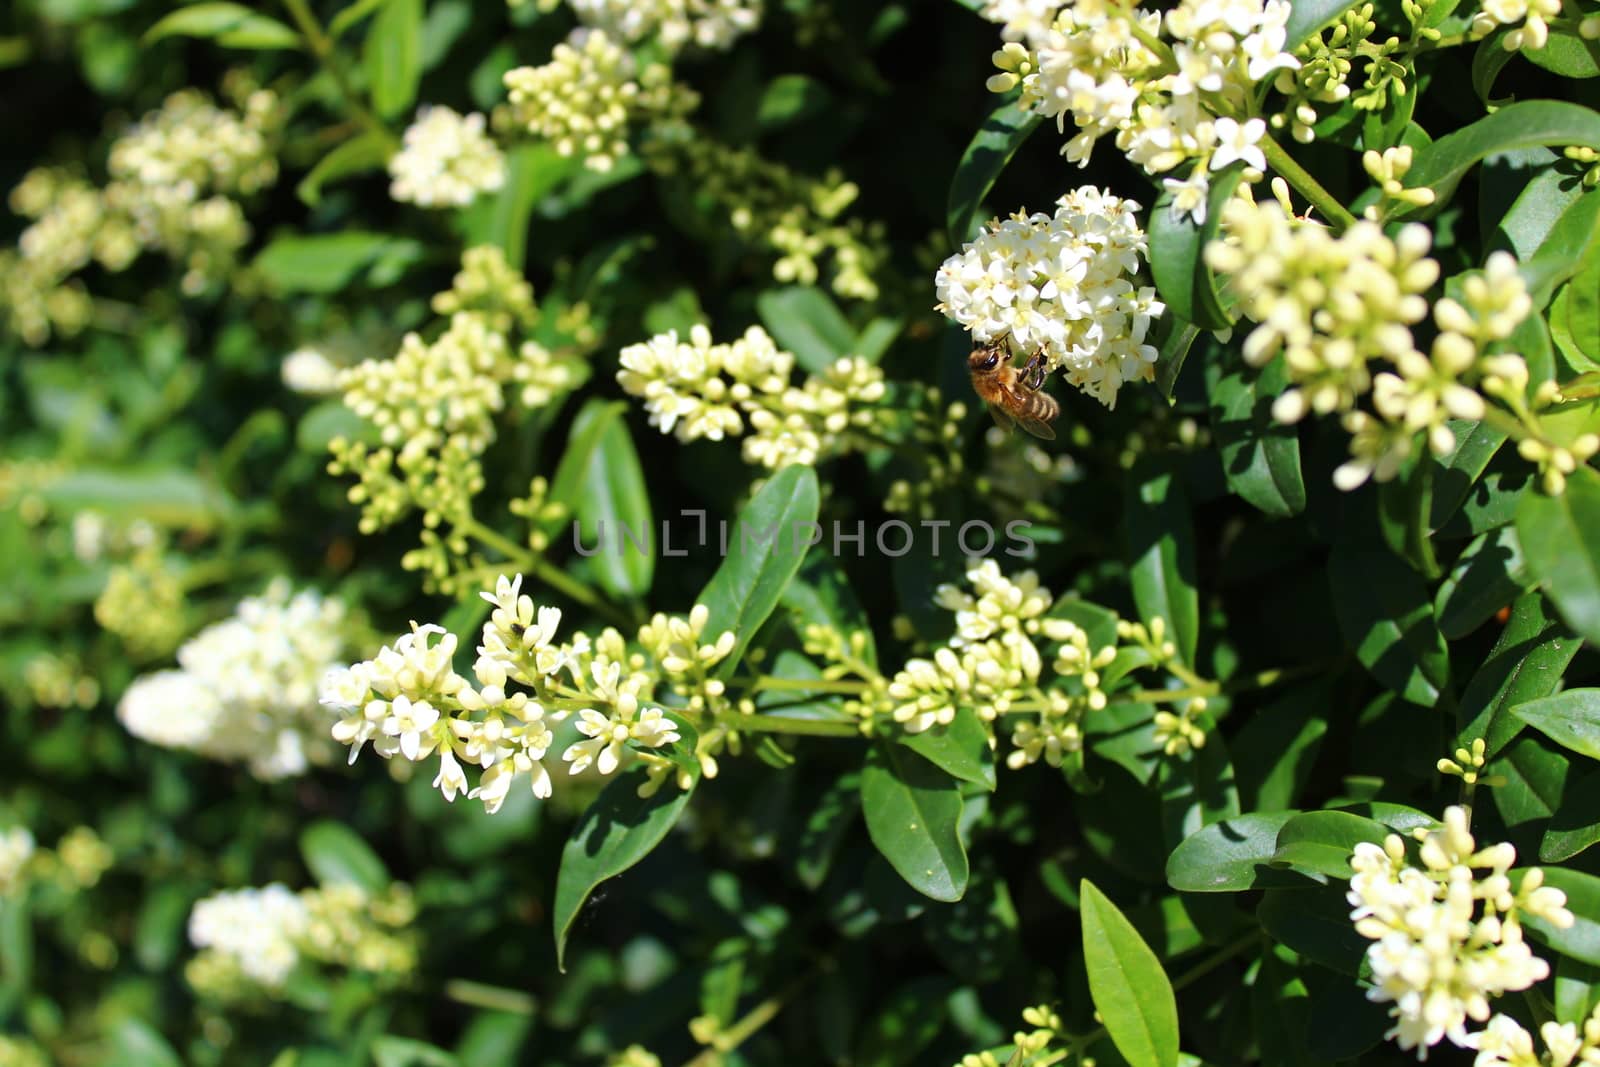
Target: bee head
(985, 357)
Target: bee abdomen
(1041, 406)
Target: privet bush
(506, 562)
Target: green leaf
(805, 320)
(1537, 208)
(1260, 456)
(230, 25)
(610, 501)
(352, 15)
(135, 1043)
(1577, 991)
(1279, 1003)
(1488, 61)
(1571, 719)
(1581, 941)
(1563, 252)
(617, 831)
(1276, 749)
(358, 155)
(1576, 824)
(1460, 471)
(1174, 338)
(824, 828)
(765, 547)
(1316, 924)
(1228, 856)
(1524, 665)
(913, 812)
(1566, 54)
(337, 855)
(1307, 17)
(1405, 504)
(1384, 614)
(391, 1051)
(173, 498)
(1560, 537)
(1488, 575)
(1177, 255)
(533, 172)
(905, 1023)
(790, 97)
(322, 263)
(1526, 124)
(961, 749)
(1160, 533)
(1582, 317)
(393, 57)
(1324, 841)
(992, 147)
(1535, 781)
(1131, 992)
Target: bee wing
(1002, 418)
(1037, 427)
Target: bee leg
(1033, 373)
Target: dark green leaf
(1576, 825)
(617, 831)
(336, 855)
(1535, 781)
(1526, 124)
(1561, 539)
(1458, 473)
(836, 811)
(393, 57)
(1489, 575)
(903, 1025)
(1177, 255)
(391, 1051)
(913, 810)
(1316, 924)
(1227, 856)
(1577, 991)
(962, 748)
(1160, 535)
(1525, 664)
(765, 547)
(1323, 841)
(1384, 613)
(1566, 54)
(1174, 338)
(1260, 456)
(1131, 992)
(611, 503)
(992, 147)
(1278, 746)
(322, 263)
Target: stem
(495, 998)
(1306, 185)
(322, 47)
(522, 559)
(742, 1030)
(815, 685)
(778, 724)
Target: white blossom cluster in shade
(1531, 17)
(676, 23)
(1095, 67)
(247, 688)
(255, 928)
(1446, 935)
(1063, 284)
(696, 389)
(16, 848)
(585, 99)
(1504, 1043)
(408, 701)
(309, 371)
(446, 160)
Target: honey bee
(1014, 396)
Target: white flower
(1061, 284)
(16, 848)
(607, 733)
(308, 371)
(411, 726)
(173, 709)
(706, 23)
(446, 161)
(1239, 141)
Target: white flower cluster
(16, 849)
(697, 389)
(1446, 935)
(409, 700)
(255, 928)
(247, 690)
(447, 160)
(585, 98)
(993, 664)
(1023, 20)
(1062, 284)
(676, 23)
(1188, 98)
(251, 940)
(1504, 1043)
(309, 371)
